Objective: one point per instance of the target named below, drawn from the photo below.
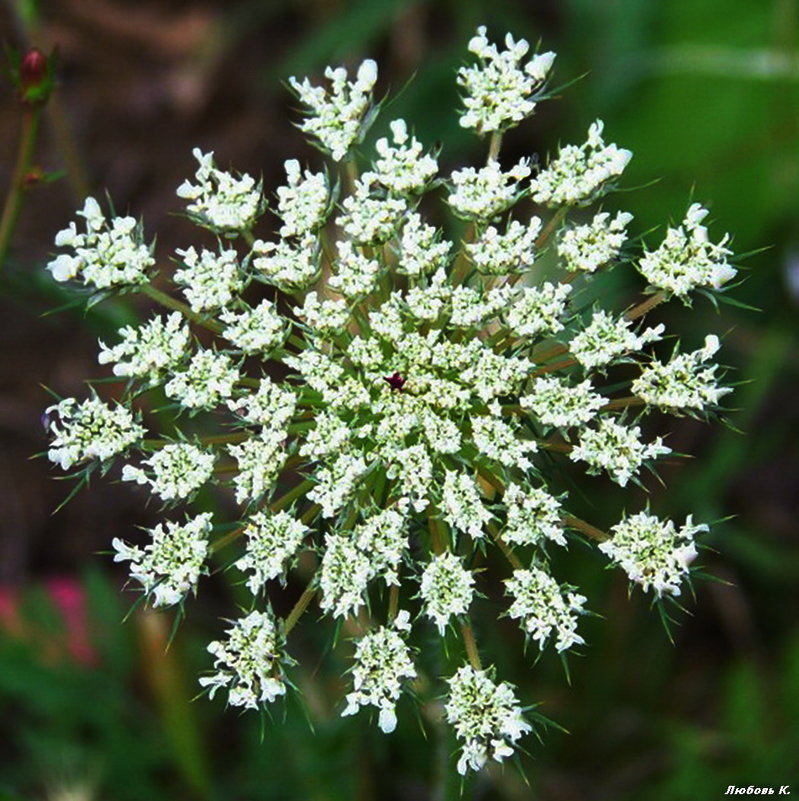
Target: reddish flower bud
(32, 70)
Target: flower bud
(32, 69)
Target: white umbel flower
(486, 716)
(687, 259)
(544, 608)
(271, 405)
(356, 274)
(343, 576)
(256, 330)
(272, 540)
(589, 246)
(176, 470)
(211, 280)
(469, 307)
(169, 566)
(221, 201)
(369, 219)
(462, 506)
(326, 317)
(260, 460)
(533, 516)
(339, 117)
(605, 338)
(247, 663)
(403, 167)
(653, 552)
(422, 251)
(538, 309)
(337, 482)
(384, 538)
(617, 449)
(512, 252)
(446, 589)
(109, 254)
(560, 404)
(683, 383)
(579, 174)
(382, 664)
(330, 435)
(497, 440)
(288, 265)
(148, 350)
(303, 202)
(89, 430)
(413, 469)
(499, 91)
(208, 379)
(483, 194)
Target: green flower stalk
(389, 404)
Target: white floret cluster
(219, 200)
(486, 717)
(169, 566)
(396, 412)
(653, 552)
(498, 91)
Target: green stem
(622, 403)
(646, 306)
(393, 602)
(471, 646)
(301, 605)
(16, 189)
(592, 531)
(494, 146)
(503, 546)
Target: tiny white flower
(538, 309)
(579, 174)
(557, 403)
(421, 249)
(369, 218)
(533, 516)
(446, 589)
(462, 506)
(653, 552)
(355, 274)
(219, 200)
(302, 204)
(483, 194)
(248, 662)
(255, 330)
(208, 379)
(287, 265)
(343, 576)
(589, 246)
(211, 280)
(403, 167)
(260, 460)
(176, 470)
(512, 252)
(605, 338)
(486, 716)
(169, 566)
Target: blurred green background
(706, 94)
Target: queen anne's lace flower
(606, 338)
(403, 168)
(302, 204)
(150, 349)
(272, 539)
(176, 470)
(382, 663)
(533, 515)
(254, 330)
(592, 245)
(538, 309)
(581, 173)
(248, 662)
(557, 403)
(110, 253)
(169, 566)
(483, 194)
(486, 717)
(499, 91)
(209, 378)
(219, 200)
(687, 259)
(339, 118)
(89, 430)
(653, 552)
(617, 449)
(287, 265)
(544, 609)
(446, 589)
(211, 280)
(684, 382)
(511, 252)
(393, 411)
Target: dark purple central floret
(395, 381)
